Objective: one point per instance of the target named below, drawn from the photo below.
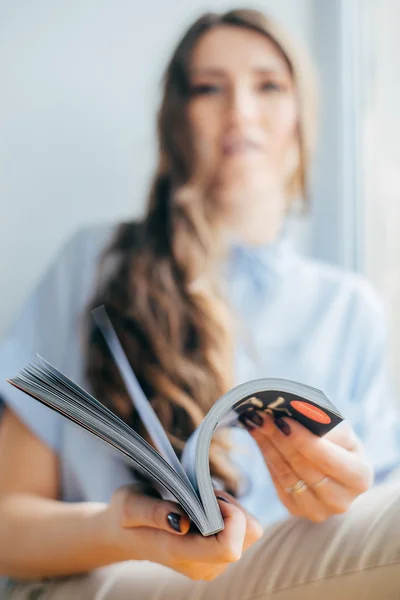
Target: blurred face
(243, 113)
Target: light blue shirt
(299, 319)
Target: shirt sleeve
(42, 326)
(377, 415)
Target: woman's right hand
(43, 537)
(141, 527)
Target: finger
(335, 497)
(350, 468)
(287, 499)
(343, 435)
(289, 459)
(139, 510)
(347, 468)
(223, 548)
(317, 514)
(306, 502)
(232, 538)
(254, 529)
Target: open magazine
(188, 480)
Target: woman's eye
(271, 86)
(204, 90)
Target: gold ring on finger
(298, 488)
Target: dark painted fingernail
(251, 420)
(282, 425)
(174, 521)
(244, 421)
(223, 499)
(248, 424)
(255, 418)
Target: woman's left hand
(314, 477)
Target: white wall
(79, 82)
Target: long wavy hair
(158, 277)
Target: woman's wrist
(100, 531)
(108, 537)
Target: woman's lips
(239, 145)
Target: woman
(205, 293)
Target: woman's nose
(241, 108)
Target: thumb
(139, 510)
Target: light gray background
(79, 90)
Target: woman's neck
(257, 221)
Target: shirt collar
(266, 261)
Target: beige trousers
(355, 556)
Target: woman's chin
(245, 156)
(252, 180)
(250, 166)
